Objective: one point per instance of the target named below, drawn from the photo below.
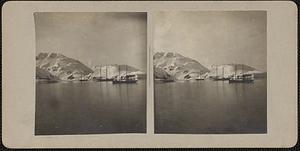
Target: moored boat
(220, 78)
(83, 80)
(126, 78)
(200, 78)
(242, 78)
(101, 78)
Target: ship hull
(83, 80)
(127, 81)
(221, 79)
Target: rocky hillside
(60, 66)
(44, 75)
(169, 65)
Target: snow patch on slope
(62, 67)
(175, 66)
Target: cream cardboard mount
(19, 71)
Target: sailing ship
(126, 78)
(220, 78)
(241, 78)
(102, 79)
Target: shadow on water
(90, 108)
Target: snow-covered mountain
(228, 70)
(60, 66)
(55, 66)
(169, 65)
(109, 71)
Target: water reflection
(90, 108)
(210, 107)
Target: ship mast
(242, 68)
(235, 70)
(100, 72)
(223, 72)
(119, 69)
(216, 71)
(105, 71)
(243, 71)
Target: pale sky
(214, 37)
(94, 38)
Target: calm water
(211, 107)
(90, 108)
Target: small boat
(199, 78)
(126, 78)
(242, 78)
(101, 79)
(83, 80)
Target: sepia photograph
(210, 70)
(90, 72)
(152, 74)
